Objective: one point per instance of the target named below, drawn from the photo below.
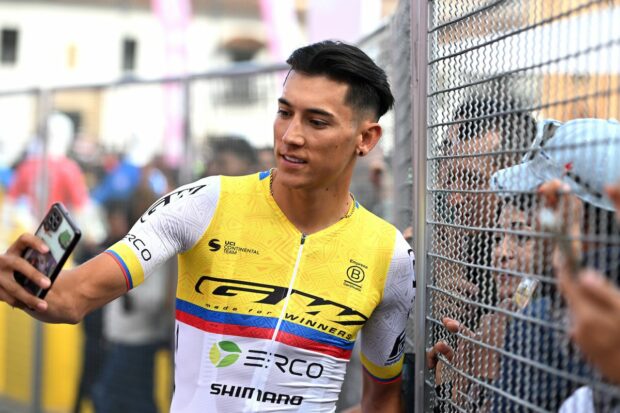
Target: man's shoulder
(244, 183)
(371, 222)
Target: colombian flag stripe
(126, 258)
(301, 342)
(124, 268)
(262, 327)
(380, 380)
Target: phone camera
(53, 221)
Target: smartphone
(61, 235)
(525, 292)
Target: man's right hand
(11, 261)
(75, 293)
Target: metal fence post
(44, 106)
(186, 170)
(419, 61)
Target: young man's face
(316, 134)
(472, 174)
(513, 252)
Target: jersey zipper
(253, 405)
(290, 287)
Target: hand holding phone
(61, 235)
(552, 222)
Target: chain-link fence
(517, 92)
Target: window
(8, 51)
(130, 48)
(241, 89)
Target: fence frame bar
(419, 91)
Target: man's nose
(293, 133)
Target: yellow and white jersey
(266, 317)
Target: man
(582, 153)
(278, 272)
(231, 156)
(477, 144)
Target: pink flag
(175, 17)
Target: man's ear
(369, 137)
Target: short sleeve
(383, 335)
(173, 224)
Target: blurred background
(106, 105)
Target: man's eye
(318, 123)
(282, 112)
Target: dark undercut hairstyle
(369, 89)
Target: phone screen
(61, 236)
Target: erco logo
(355, 274)
(296, 367)
(214, 244)
(226, 353)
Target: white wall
(48, 31)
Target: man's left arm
(383, 335)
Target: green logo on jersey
(224, 353)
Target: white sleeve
(173, 224)
(383, 335)
(579, 402)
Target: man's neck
(311, 210)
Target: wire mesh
(509, 84)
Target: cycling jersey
(266, 317)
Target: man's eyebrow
(316, 111)
(321, 112)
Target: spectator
(231, 156)
(136, 325)
(266, 159)
(65, 180)
(368, 182)
(484, 126)
(597, 143)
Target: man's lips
(293, 159)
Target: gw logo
(273, 294)
(214, 244)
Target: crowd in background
(533, 217)
(108, 192)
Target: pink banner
(283, 31)
(174, 17)
(345, 20)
